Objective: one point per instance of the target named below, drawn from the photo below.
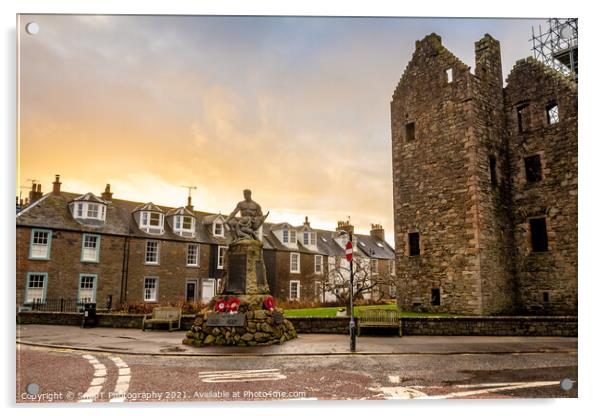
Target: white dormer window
(293, 237)
(309, 238)
(218, 229)
(306, 238)
(183, 224)
(285, 236)
(151, 221)
(90, 210)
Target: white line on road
(508, 386)
(123, 380)
(240, 375)
(100, 373)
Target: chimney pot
(377, 231)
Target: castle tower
(448, 154)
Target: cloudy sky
(297, 109)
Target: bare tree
(365, 279)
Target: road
(46, 374)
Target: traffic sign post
(349, 256)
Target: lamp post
(349, 256)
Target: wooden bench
(378, 318)
(164, 315)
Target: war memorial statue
(243, 312)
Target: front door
(208, 289)
(191, 291)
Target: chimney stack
(306, 221)
(378, 232)
(107, 195)
(189, 206)
(56, 185)
(35, 193)
(345, 226)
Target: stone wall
(554, 197)
(460, 183)
(64, 272)
(565, 326)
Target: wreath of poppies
(227, 305)
(268, 303)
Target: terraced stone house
(110, 251)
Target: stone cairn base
(260, 326)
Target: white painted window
(183, 223)
(90, 210)
(152, 252)
(91, 247)
(318, 263)
(40, 244)
(150, 289)
(218, 229)
(87, 288)
(306, 238)
(295, 266)
(392, 267)
(151, 221)
(293, 237)
(312, 239)
(221, 252)
(294, 290)
(285, 236)
(450, 75)
(36, 284)
(192, 257)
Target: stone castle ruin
(485, 184)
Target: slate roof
(52, 211)
(90, 197)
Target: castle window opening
(410, 132)
(436, 297)
(552, 113)
(539, 234)
(450, 75)
(493, 170)
(533, 168)
(414, 243)
(521, 113)
(546, 297)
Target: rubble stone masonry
(457, 158)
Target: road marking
(100, 373)
(240, 375)
(123, 380)
(506, 387)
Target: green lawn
(332, 311)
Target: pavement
(163, 343)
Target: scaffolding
(557, 46)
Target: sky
(294, 108)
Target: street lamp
(349, 256)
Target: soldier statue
(251, 218)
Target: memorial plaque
(226, 319)
(278, 317)
(259, 273)
(237, 273)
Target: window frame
(196, 255)
(298, 262)
(158, 252)
(221, 224)
(44, 287)
(410, 127)
(221, 254)
(290, 289)
(156, 289)
(449, 73)
(285, 237)
(94, 286)
(373, 266)
(98, 239)
(48, 245)
(145, 222)
(320, 263)
(433, 291)
(85, 209)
